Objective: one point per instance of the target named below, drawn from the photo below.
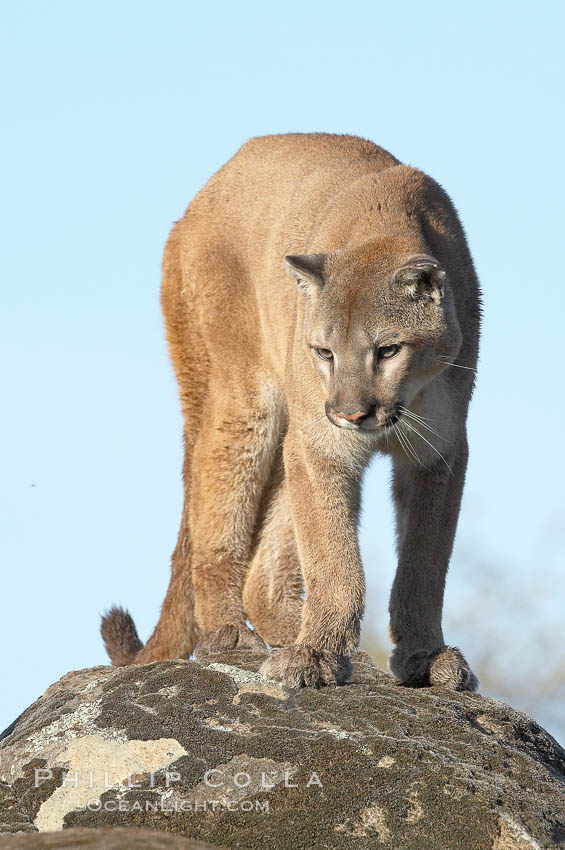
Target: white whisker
(431, 445)
(420, 421)
(401, 438)
(411, 447)
(417, 415)
(417, 419)
(457, 365)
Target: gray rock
(117, 838)
(216, 752)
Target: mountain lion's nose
(352, 417)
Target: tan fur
(380, 260)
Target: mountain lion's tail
(120, 637)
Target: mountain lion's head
(379, 323)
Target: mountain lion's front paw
(450, 670)
(445, 667)
(229, 637)
(300, 666)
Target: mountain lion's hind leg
(272, 595)
(232, 460)
(175, 634)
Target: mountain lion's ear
(308, 269)
(422, 277)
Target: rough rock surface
(117, 838)
(216, 752)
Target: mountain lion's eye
(324, 353)
(385, 352)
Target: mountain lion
(320, 305)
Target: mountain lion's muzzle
(369, 415)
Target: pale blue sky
(114, 115)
